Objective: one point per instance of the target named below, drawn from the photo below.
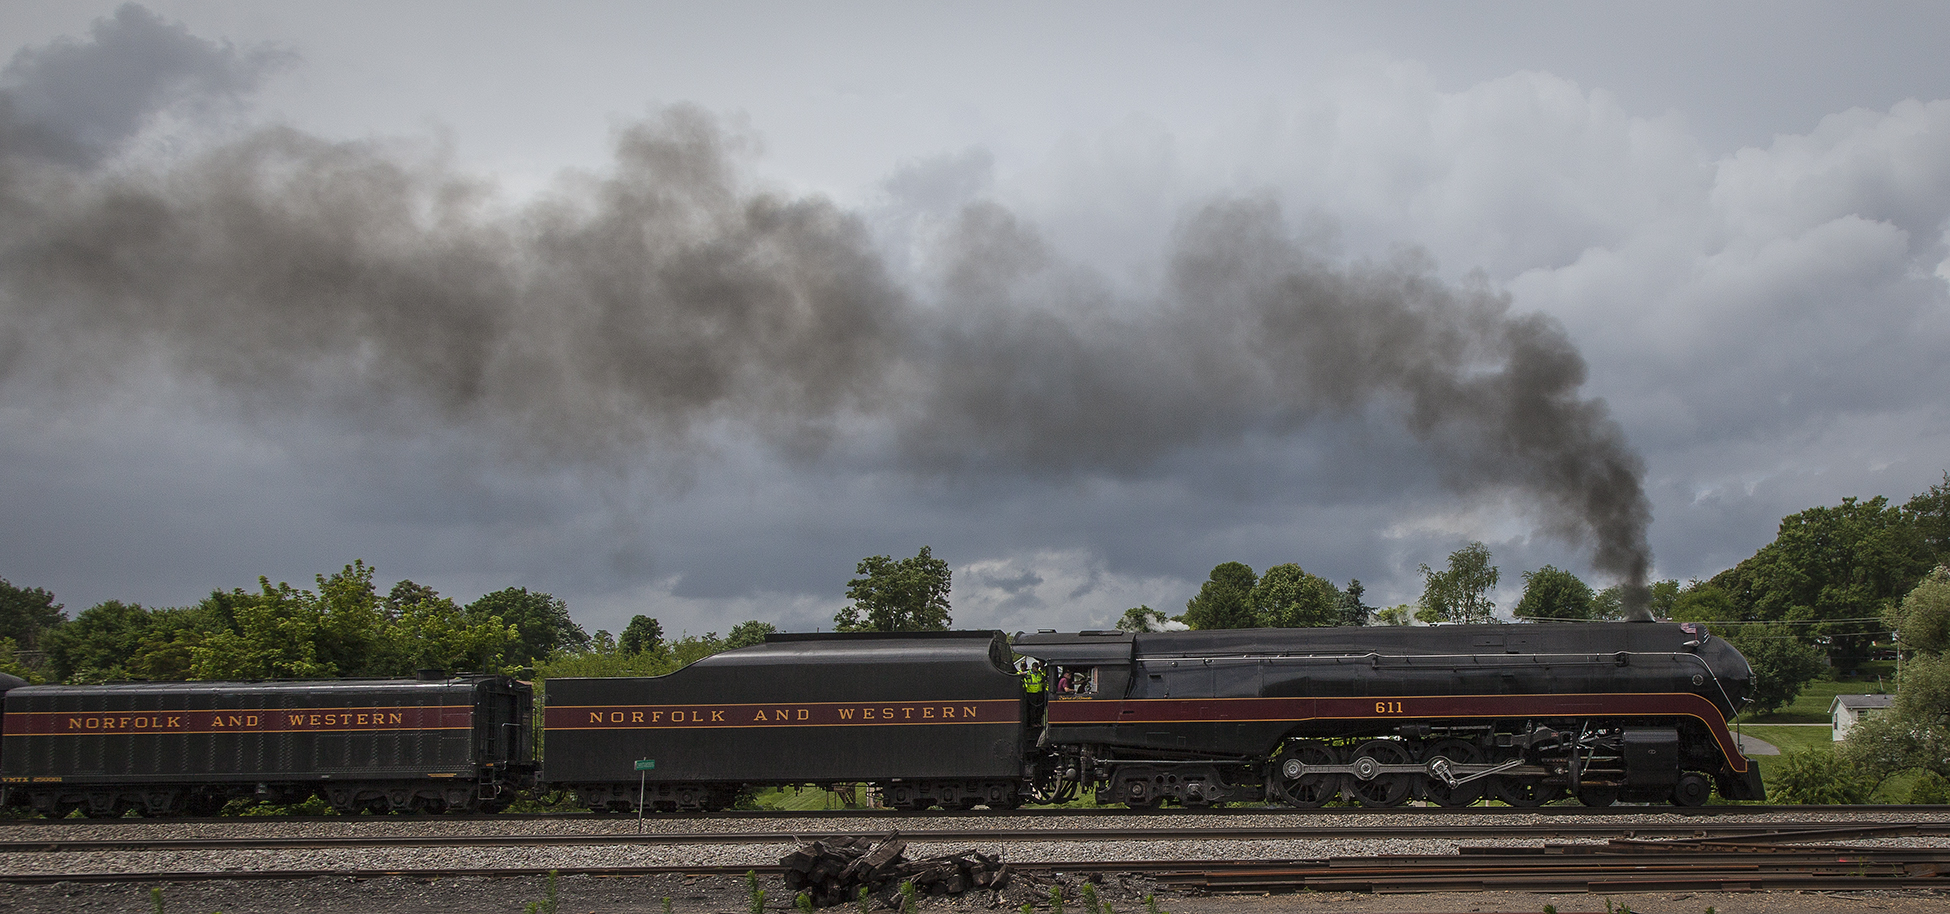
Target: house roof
(1860, 702)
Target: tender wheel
(1137, 794)
(1526, 791)
(1445, 751)
(1379, 789)
(1293, 785)
(1693, 789)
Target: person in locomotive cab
(1032, 685)
(1063, 682)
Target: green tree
(431, 632)
(1461, 592)
(1288, 597)
(1225, 600)
(1664, 593)
(172, 634)
(25, 612)
(1914, 732)
(1553, 593)
(1929, 513)
(541, 621)
(1704, 603)
(1842, 566)
(100, 644)
(1398, 614)
(351, 635)
(746, 634)
(274, 635)
(905, 595)
(11, 666)
(1353, 611)
(1922, 620)
(642, 634)
(1783, 664)
(407, 593)
(1142, 618)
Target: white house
(1848, 710)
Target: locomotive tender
(172, 748)
(1381, 715)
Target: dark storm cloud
(631, 309)
(75, 101)
(1256, 334)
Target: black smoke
(620, 313)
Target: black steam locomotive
(1525, 714)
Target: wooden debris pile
(834, 870)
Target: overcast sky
(683, 309)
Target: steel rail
(893, 815)
(1834, 869)
(1775, 832)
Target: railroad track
(1700, 854)
(1585, 869)
(1798, 832)
(894, 817)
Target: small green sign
(646, 764)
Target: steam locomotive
(1523, 714)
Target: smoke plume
(627, 309)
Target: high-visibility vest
(1032, 682)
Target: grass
(1789, 738)
(796, 800)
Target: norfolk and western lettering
(824, 714)
(255, 720)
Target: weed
(666, 904)
(866, 903)
(155, 898)
(1550, 909)
(910, 898)
(757, 894)
(804, 903)
(548, 903)
(1090, 904)
(1151, 905)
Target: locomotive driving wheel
(1293, 784)
(1526, 791)
(1374, 789)
(1438, 758)
(1597, 796)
